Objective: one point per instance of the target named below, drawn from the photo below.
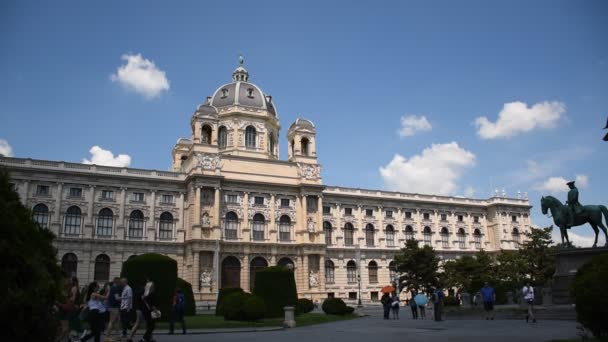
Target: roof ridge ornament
(240, 74)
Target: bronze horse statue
(591, 214)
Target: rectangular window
(137, 197)
(390, 238)
(426, 216)
(460, 218)
(326, 210)
(373, 296)
(166, 199)
(389, 213)
(352, 295)
(258, 200)
(513, 218)
(233, 199)
(284, 202)
(408, 214)
(476, 219)
(311, 204)
(348, 211)
(107, 195)
(285, 231)
(348, 237)
(331, 294)
(369, 212)
(42, 190)
(75, 192)
(12, 186)
(444, 217)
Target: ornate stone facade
(230, 207)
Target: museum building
(231, 207)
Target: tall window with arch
(136, 225)
(327, 231)
(257, 264)
(259, 223)
(369, 235)
(285, 228)
(102, 268)
(390, 236)
(351, 272)
(165, 226)
(72, 221)
(222, 137)
(206, 134)
(304, 146)
(40, 215)
(372, 269)
(69, 264)
(329, 272)
(461, 238)
(271, 143)
(105, 222)
(477, 238)
(409, 232)
(348, 234)
(445, 238)
(516, 237)
(426, 236)
(250, 137)
(231, 226)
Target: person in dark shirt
(489, 297)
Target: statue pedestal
(567, 263)
(289, 321)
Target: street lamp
(359, 281)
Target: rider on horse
(575, 207)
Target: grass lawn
(217, 322)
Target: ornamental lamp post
(359, 281)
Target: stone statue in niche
(310, 224)
(206, 222)
(312, 279)
(205, 278)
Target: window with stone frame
(327, 230)
(388, 213)
(477, 238)
(426, 216)
(390, 236)
(165, 226)
(475, 219)
(107, 195)
(222, 137)
(169, 199)
(348, 234)
(409, 232)
(258, 200)
(351, 272)
(43, 190)
(75, 193)
(232, 199)
(102, 268)
(369, 235)
(250, 137)
(372, 270)
(444, 217)
(40, 215)
(285, 202)
(231, 226)
(369, 212)
(461, 238)
(259, 225)
(137, 197)
(136, 225)
(408, 215)
(72, 221)
(329, 272)
(285, 228)
(426, 236)
(348, 211)
(445, 237)
(326, 210)
(105, 222)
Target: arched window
(69, 264)
(348, 234)
(461, 238)
(206, 134)
(285, 228)
(426, 236)
(516, 238)
(102, 268)
(105, 222)
(390, 236)
(293, 148)
(271, 143)
(409, 232)
(329, 272)
(258, 263)
(304, 146)
(477, 238)
(372, 269)
(165, 226)
(40, 215)
(72, 221)
(327, 231)
(231, 272)
(231, 225)
(250, 134)
(351, 272)
(287, 263)
(445, 236)
(369, 235)
(136, 224)
(222, 136)
(259, 223)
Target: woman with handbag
(148, 310)
(528, 292)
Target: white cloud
(576, 239)
(141, 75)
(99, 156)
(5, 149)
(411, 124)
(516, 118)
(557, 185)
(435, 171)
(469, 191)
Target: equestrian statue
(574, 214)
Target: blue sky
(355, 68)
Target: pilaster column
(152, 227)
(338, 229)
(273, 237)
(298, 207)
(197, 207)
(215, 281)
(58, 197)
(245, 273)
(123, 201)
(196, 271)
(217, 206)
(399, 230)
(319, 227)
(304, 213)
(359, 228)
(382, 231)
(90, 204)
(321, 275)
(246, 236)
(26, 190)
(182, 218)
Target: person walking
(386, 304)
(147, 308)
(528, 292)
(126, 306)
(438, 297)
(488, 296)
(414, 306)
(76, 300)
(97, 309)
(179, 309)
(395, 306)
(113, 305)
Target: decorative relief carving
(205, 220)
(309, 171)
(208, 161)
(313, 279)
(310, 225)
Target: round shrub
(225, 292)
(233, 306)
(336, 306)
(305, 305)
(163, 272)
(186, 288)
(277, 288)
(590, 282)
(253, 308)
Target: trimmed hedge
(186, 288)
(225, 292)
(589, 284)
(305, 305)
(253, 308)
(163, 272)
(233, 306)
(276, 286)
(336, 306)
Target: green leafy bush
(186, 288)
(253, 308)
(336, 306)
(233, 306)
(305, 305)
(451, 301)
(225, 292)
(277, 287)
(163, 272)
(589, 284)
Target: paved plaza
(374, 328)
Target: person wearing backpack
(386, 304)
(179, 309)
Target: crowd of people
(112, 307)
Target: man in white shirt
(126, 306)
(528, 292)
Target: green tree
(511, 269)
(417, 267)
(537, 254)
(31, 279)
(468, 273)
